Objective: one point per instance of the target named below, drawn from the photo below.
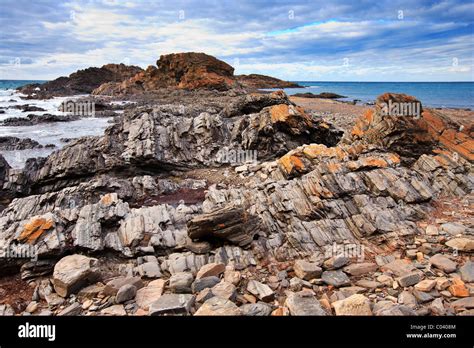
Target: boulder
(219, 307)
(73, 272)
(443, 263)
(261, 291)
(172, 304)
(304, 303)
(354, 305)
(307, 270)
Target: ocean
(433, 94)
(47, 133)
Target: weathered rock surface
(218, 306)
(72, 272)
(353, 305)
(304, 303)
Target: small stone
(437, 307)
(354, 305)
(72, 310)
(172, 304)
(335, 262)
(181, 282)
(211, 270)
(385, 279)
(467, 272)
(358, 269)
(149, 270)
(443, 263)
(368, 284)
(306, 270)
(351, 290)
(442, 283)
(463, 244)
(420, 257)
(232, 276)
(126, 293)
(335, 278)
(406, 298)
(218, 306)
(203, 283)
(32, 307)
(300, 303)
(458, 289)
(204, 295)
(399, 267)
(115, 310)
(280, 312)
(149, 294)
(241, 169)
(260, 290)
(426, 285)
(453, 228)
(445, 293)
(421, 296)
(464, 303)
(113, 286)
(411, 254)
(432, 230)
(256, 309)
(250, 298)
(87, 304)
(224, 290)
(91, 291)
(54, 299)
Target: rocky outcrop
(231, 249)
(81, 82)
(188, 71)
(323, 95)
(400, 124)
(256, 81)
(167, 138)
(14, 143)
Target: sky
(299, 40)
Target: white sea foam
(47, 133)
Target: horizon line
(471, 81)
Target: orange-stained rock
(291, 164)
(34, 229)
(281, 311)
(458, 289)
(293, 118)
(409, 135)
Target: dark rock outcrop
(14, 143)
(323, 95)
(33, 119)
(81, 82)
(256, 81)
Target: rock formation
(256, 81)
(81, 82)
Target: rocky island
(207, 197)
